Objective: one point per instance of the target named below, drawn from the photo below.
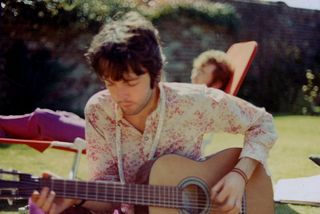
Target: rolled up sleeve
(234, 115)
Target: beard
(135, 108)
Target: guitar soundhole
(195, 197)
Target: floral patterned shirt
(191, 111)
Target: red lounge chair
(241, 56)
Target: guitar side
(171, 170)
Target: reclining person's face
(207, 76)
(131, 94)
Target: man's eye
(132, 83)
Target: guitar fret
(122, 193)
(150, 191)
(172, 197)
(175, 197)
(96, 191)
(76, 188)
(64, 188)
(99, 190)
(136, 193)
(105, 190)
(102, 191)
(86, 193)
(159, 195)
(130, 195)
(114, 192)
(142, 187)
(164, 194)
(70, 188)
(152, 194)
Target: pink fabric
(43, 124)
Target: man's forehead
(128, 76)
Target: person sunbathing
(43, 124)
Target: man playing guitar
(138, 118)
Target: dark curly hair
(130, 42)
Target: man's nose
(122, 94)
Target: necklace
(155, 140)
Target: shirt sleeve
(100, 154)
(231, 114)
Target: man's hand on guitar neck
(227, 193)
(47, 202)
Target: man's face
(131, 94)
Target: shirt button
(146, 138)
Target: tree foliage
(84, 13)
(213, 13)
(311, 91)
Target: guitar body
(175, 170)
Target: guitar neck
(138, 194)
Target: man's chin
(131, 112)
(128, 112)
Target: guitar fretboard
(139, 194)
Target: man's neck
(139, 120)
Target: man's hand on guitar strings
(227, 194)
(47, 202)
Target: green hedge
(85, 13)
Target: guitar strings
(152, 192)
(144, 189)
(183, 206)
(193, 201)
(108, 195)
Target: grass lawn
(299, 137)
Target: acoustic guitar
(171, 184)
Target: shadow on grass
(4, 205)
(5, 146)
(284, 209)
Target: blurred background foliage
(41, 66)
(83, 13)
(311, 91)
(43, 41)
